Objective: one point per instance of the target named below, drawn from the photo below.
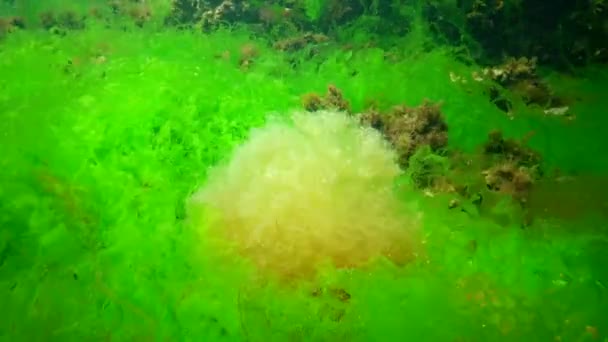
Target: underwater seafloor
(106, 134)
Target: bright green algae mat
(98, 159)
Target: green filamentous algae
(303, 170)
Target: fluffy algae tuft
(301, 193)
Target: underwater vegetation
(294, 197)
(303, 170)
